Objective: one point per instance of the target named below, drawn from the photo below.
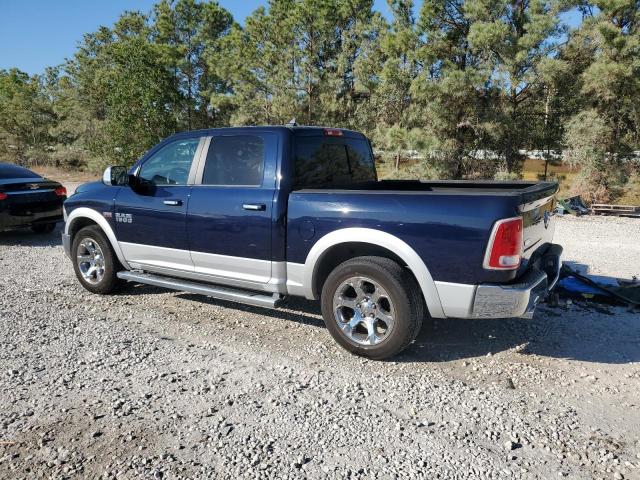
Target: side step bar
(221, 293)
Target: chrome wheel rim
(363, 311)
(90, 261)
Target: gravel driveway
(157, 384)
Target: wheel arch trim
(379, 239)
(91, 214)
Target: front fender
(84, 212)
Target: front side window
(171, 164)
(235, 160)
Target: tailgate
(538, 218)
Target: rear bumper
(18, 218)
(517, 299)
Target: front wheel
(372, 306)
(94, 261)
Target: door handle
(173, 203)
(256, 207)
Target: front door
(151, 220)
(229, 216)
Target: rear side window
(235, 160)
(14, 171)
(331, 161)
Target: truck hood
(89, 186)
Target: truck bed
(447, 222)
(527, 191)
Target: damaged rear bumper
(517, 300)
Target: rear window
(331, 162)
(14, 171)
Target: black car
(29, 200)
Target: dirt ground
(156, 384)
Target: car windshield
(14, 171)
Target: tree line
(467, 84)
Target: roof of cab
(297, 130)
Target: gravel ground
(156, 384)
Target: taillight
(504, 250)
(333, 132)
(3, 196)
(61, 191)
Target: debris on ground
(573, 205)
(599, 288)
(631, 211)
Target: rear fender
(380, 239)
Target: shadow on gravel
(580, 332)
(25, 237)
(135, 289)
(584, 332)
(577, 329)
(297, 309)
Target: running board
(221, 293)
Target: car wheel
(94, 261)
(372, 306)
(43, 227)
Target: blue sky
(35, 34)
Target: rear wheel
(372, 306)
(94, 261)
(43, 227)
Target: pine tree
(603, 134)
(185, 29)
(449, 92)
(399, 46)
(514, 37)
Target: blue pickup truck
(257, 214)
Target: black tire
(109, 281)
(43, 227)
(403, 294)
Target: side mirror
(115, 176)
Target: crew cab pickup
(257, 214)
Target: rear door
(151, 223)
(229, 217)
